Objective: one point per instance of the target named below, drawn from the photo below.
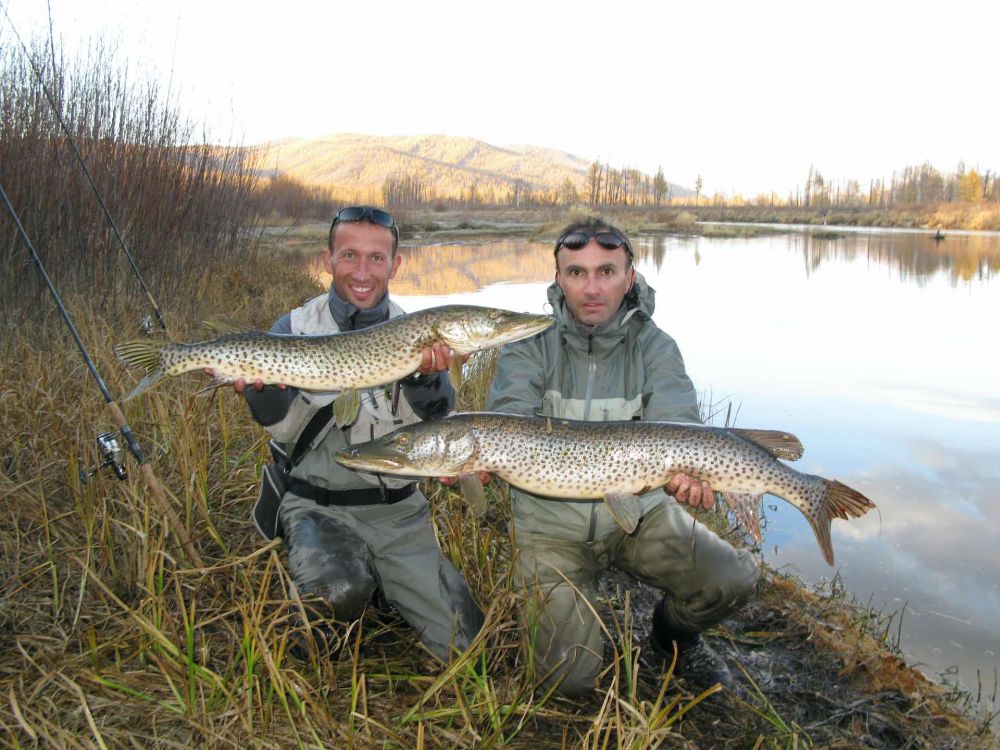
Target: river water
(880, 351)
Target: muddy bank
(814, 668)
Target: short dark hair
(394, 229)
(592, 224)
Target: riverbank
(461, 222)
(108, 632)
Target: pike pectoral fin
(456, 372)
(346, 407)
(625, 509)
(472, 491)
(744, 507)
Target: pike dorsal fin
(779, 444)
(625, 509)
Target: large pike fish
(345, 362)
(614, 461)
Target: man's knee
(722, 591)
(344, 581)
(573, 672)
(568, 646)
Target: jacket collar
(349, 317)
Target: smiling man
(606, 360)
(349, 533)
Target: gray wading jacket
(625, 369)
(285, 413)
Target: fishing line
(86, 172)
(126, 432)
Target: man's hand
(688, 490)
(436, 358)
(240, 385)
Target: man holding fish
(347, 532)
(606, 360)
(348, 367)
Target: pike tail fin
(145, 354)
(837, 501)
(845, 502)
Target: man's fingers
(442, 357)
(707, 496)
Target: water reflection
(460, 268)
(878, 350)
(961, 257)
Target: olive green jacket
(625, 369)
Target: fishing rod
(108, 445)
(83, 165)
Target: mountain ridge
(448, 166)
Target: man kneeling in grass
(350, 533)
(606, 360)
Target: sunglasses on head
(605, 238)
(374, 215)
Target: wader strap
(318, 422)
(366, 496)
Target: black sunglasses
(374, 215)
(607, 239)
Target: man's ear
(395, 265)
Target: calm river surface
(881, 351)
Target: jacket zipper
(589, 394)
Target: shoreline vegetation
(109, 637)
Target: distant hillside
(354, 164)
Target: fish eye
(403, 439)
(494, 314)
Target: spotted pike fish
(614, 461)
(345, 362)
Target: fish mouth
(354, 459)
(524, 325)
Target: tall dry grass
(108, 638)
(177, 204)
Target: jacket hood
(638, 304)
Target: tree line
(918, 185)
(604, 185)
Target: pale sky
(746, 94)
